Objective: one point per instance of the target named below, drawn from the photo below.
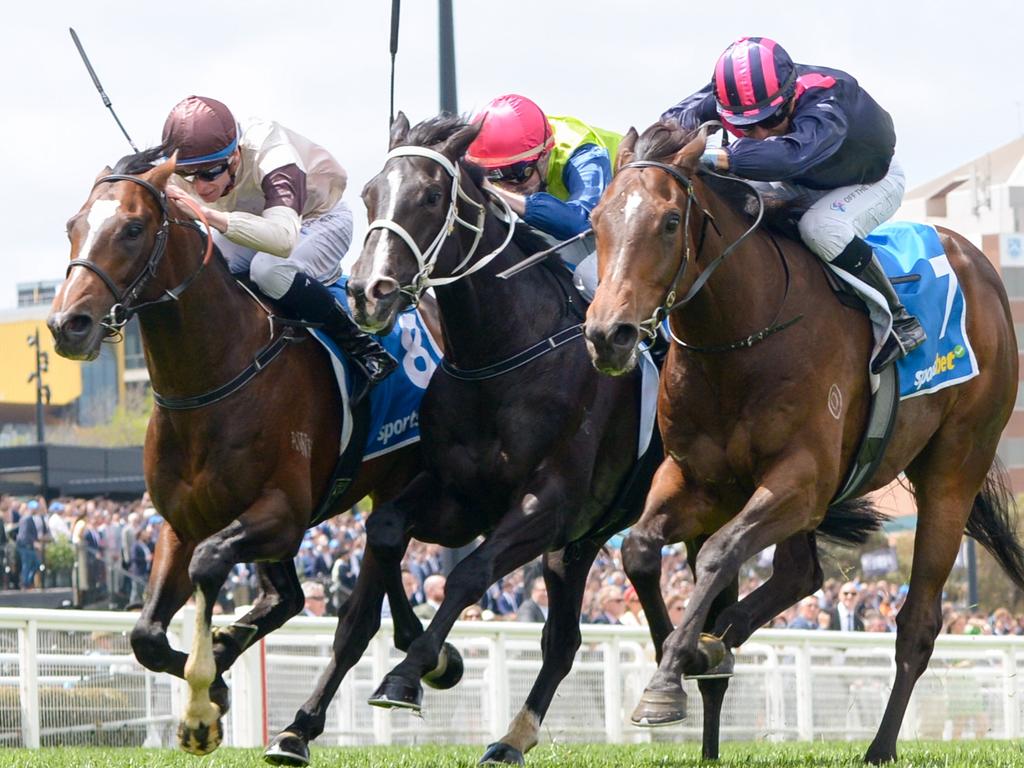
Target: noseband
(125, 301)
(427, 260)
(650, 325)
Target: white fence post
(380, 648)
(1011, 707)
(28, 638)
(804, 694)
(613, 691)
(499, 687)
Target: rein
(125, 307)
(670, 304)
(427, 259)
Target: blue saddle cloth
(936, 299)
(394, 402)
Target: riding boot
(313, 303)
(907, 333)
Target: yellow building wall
(18, 360)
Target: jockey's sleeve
(817, 133)
(694, 110)
(285, 186)
(586, 174)
(275, 231)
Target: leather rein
(671, 304)
(126, 301)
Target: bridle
(125, 305)
(427, 259)
(670, 304)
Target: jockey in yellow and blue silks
(550, 170)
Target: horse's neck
(746, 289)
(485, 317)
(208, 335)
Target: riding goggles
(516, 173)
(205, 174)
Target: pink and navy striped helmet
(753, 78)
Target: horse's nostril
(625, 335)
(78, 325)
(382, 289)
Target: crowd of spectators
(112, 544)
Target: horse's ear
(456, 145)
(399, 130)
(159, 174)
(626, 149)
(107, 170)
(688, 157)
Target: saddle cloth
(394, 402)
(931, 292)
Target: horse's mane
(662, 140)
(434, 130)
(140, 162)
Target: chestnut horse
(236, 472)
(760, 426)
(523, 440)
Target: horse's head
(641, 227)
(117, 239)
(413, 206)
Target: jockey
(826, 144)
(274, 198)
(550, 170)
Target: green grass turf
(967, 754)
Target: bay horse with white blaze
(760, 427)
(235, 462)
(524, 441)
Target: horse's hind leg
(559, 643)
(280, 598)
(944, 499)
(712, 689)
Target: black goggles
(772, 121)
(210, 173)
(516, 173)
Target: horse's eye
(133, 230)
(433, 196)
(672, 223)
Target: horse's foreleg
(559, 643)
(357, 624)
(266, 531)
(279, 598)
(796, 573)
(522, 534)
(169, 587)
(713, 687)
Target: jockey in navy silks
(274, 199)
(814, 138)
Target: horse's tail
(993, 522)
(851, 522)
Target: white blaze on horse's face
(101, 215)
(381, 262)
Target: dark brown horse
(524, 441)
(236, 474)
(760, 434)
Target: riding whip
(396, 7)
(96, 82)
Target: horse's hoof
(660, 708)
(722, 670)
(200, 739)
(287, 748)
(502, 754)
(220, 695)
(396, 693)
(448, 671)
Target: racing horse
(763, 400)
(524, 442)
(234, 463)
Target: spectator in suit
(31, 532)
(433, 588)
(413, 594)
(611, 605)
(139, 565)
(316, 599)
(535, 608)
(844, 615)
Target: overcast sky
(951, 73)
